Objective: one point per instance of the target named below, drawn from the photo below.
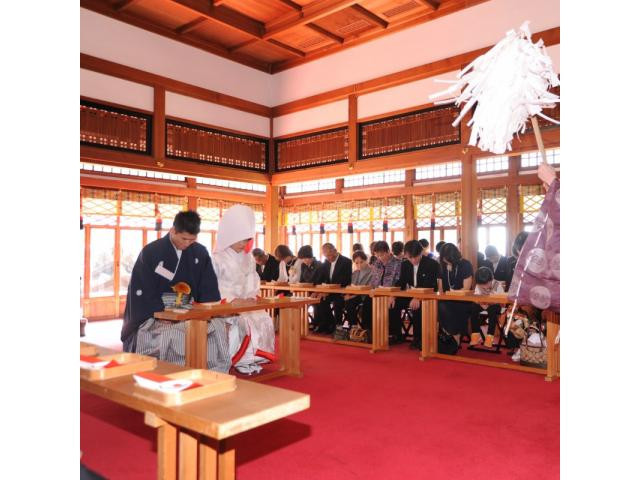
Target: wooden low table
(289, 333)
(192, 438)
(430, 331)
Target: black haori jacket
(156, 270)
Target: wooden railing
(320, 148)
(407, 132)
(114, 128)
(215, 147)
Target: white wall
(190, 108)
(316, 117)
(467, 30)
(119, 42)
(115, 90)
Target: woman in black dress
(456, 274)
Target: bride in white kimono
(251, 336)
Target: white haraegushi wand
(507, 85)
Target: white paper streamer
(507, 84)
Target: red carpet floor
(382, 416)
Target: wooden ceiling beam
(208, 46)
(124, 4)
(243, 44)
(292, 5)
(370, 16)
(225, 16)
(309, 13)
(217, 3)
(192, 25)
(325, 33)
(288, 48)
(435, 4)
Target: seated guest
(516, 248)
(290, 266)
(496, 263)
(419, 271)
(455, 274)
(372, 258)
(361, 275)
(481, 260)
(397, 248)
(267, 266)
(310, 272)
(335, 269)
(176, 257)
(439, 247)
(386, 273)
(425, 247)
(357, 247)
(485, 285)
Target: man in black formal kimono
(174, 258)
(420, 271)
(267, 266)
(336, 269)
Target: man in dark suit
(266, 265)
(498, 264)
(418, 271)
(336, 269)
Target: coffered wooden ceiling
(273, 35)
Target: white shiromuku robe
(251, 336)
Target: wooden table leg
(216, 460)
(553, 357)
(167, 446)
(290, 341)
(196, 344)
(429, 329)
(380, 324)
(188, 456)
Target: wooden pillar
(272, 218)
(353, 130)
(514, 220)
(469, 205)
(410, 230)
(192, 201)
(271, 163)
(158, 147)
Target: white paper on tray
(93, 365)
(170, 386)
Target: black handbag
(446, 343)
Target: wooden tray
(458, 293)
(330, 285)
(130, 363)
(213, 383)
(388, 289)
(421, 290)
(359, 287)
(301, 284)
(88, 349)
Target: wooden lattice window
(215, 147)
(99, 206)
(492, 206)
(211, 211)
(114, 128)
(321, 148)
(447, 209)
(137, 209)
(407, 132)
(531, 198)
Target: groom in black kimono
(174, 258)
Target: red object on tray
(154, 377)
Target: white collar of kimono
(237, 223)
